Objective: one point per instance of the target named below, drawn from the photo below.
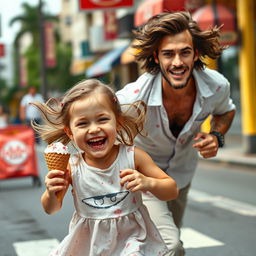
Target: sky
(11, 8)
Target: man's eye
(167, 54)
(186, 53)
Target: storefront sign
(2, 50)
(110, 25)
(91, 5)
(50, 55)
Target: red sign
(110, 25)
(2, 51)
(50, 55)
(17, 152)
(23, 71)
(90, 5)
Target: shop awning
(149, 8)
(78, 66)
(212, 15)
(106, 62)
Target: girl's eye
(82, 124)
(103, 119)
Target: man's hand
(206, 144)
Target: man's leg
(163, 219)
(177, 207)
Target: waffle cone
(57, 161)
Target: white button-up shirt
(176, 156)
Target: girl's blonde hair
(56, 113)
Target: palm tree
(30, 23)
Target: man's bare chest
(178, 115)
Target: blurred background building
(93, 39)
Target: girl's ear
(68, 132)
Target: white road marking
(190, 237)
(194, 239)
(35, 247)
(223, 202)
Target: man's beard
(181, 86)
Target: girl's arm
(57, 183)
(149, 177)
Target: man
(180, 93)
(28, 112)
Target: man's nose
(177, 61)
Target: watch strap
(220, 138)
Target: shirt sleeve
(225, 104)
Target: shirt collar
(155, 97)
(203, 89)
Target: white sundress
(109, 220)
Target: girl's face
(93, 126)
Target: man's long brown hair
(150, 35)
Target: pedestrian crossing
(222, 202)
(190, 237)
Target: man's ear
(196, 56)
(155, 57)
(68, 132)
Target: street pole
(246, 18)
(43, 87)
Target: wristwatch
(220, 138)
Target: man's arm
(222, 123)
(206, 143)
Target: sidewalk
(233, 153)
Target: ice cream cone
(56, 161)
(57, 156)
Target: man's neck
(171, 93)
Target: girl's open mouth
(97, 143)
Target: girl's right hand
(55, 181)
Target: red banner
(50, 54)
(104, 4)
(110, 25)
(23, 71)
(2, 50)
(17, 153)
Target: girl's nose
(94, 128)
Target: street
(220, 218)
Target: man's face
(176, 57)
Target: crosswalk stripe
(194, 239)
(223, 202)
(190, 237)
(35, 247)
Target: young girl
(107, 175)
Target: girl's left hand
(134, 180)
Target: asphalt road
(220, 217)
